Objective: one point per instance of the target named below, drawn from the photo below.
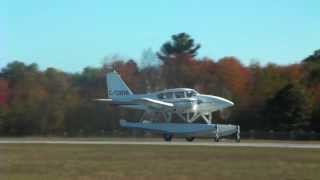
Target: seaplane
(160, 107)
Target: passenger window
(168, 95)
(179, 94)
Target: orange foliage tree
(234, 76)
(4, 91)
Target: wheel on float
(190, 139)
(167, 137)
(237, 138)
(238, 134)
(216, 139)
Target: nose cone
(219, 102)
(228, 103)
(223, 103)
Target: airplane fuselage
(187, 104)
(185, 100)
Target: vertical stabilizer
(117, 88)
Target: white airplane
(159, 107)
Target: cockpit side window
(168, 95)
(179, 94)
(191, 93)
(161, 96)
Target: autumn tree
(4, 92)
(128, 70)
(61, 98)
(312, 65)
(26, 98)
(289, 109)
(205, 75)
(266, 81)
(177, 57)
(235, 77)
(181, 43)
(53, 102)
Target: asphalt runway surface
(172, 143)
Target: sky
(73, 34)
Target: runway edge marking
(220, 144)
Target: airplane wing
(154, 104)
(147, 102)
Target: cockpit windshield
(191, 93)
(168, 95)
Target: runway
(173, 143)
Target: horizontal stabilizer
(103, 100)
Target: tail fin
(116, 86)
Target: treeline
(53, 102)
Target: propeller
(225, 113)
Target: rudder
(117, 88)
